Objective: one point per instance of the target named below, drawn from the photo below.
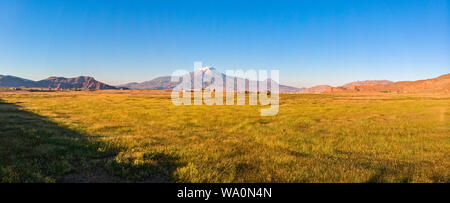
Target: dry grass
(117, 136)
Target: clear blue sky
(310, 42)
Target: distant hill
(13, 81)
(165, 83)
(290, 89)
(160, 83)
(316, 89)
(82, 82)
(438, 84)
(367, 82)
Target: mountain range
(82, 82)
(438, 84)
(160, 83)
(204, 81)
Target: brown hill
(82, 82)
(317, 89)
(439, 84)
(367, 82)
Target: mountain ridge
(164, 82)
(80, 82)
(440, 83)
(366, 82)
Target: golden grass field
(140, 136)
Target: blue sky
(310, 42)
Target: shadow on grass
(382, 175)
(35, 149)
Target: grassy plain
(140, 136)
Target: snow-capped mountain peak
(207, 68)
